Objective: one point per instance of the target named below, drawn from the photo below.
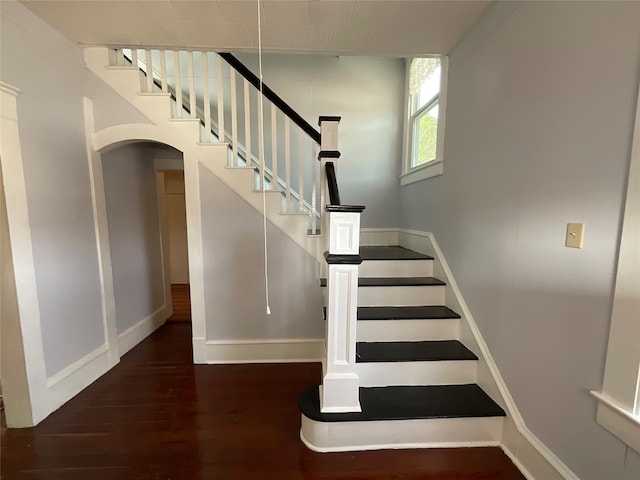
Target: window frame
(411, 174)
(618, 407)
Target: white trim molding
(101, 228)
(23, 262)
(618, 420)
(133, 335)
(619, 400)
(70, 381)
(285, 350)
(423, 172)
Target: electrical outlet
(575, 235)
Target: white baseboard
(67, 383)
(378, 236)
(534, 459)
(141, 330)
(286, 350)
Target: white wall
(234, 280)
(51, 74)
(368, 93)
(539, 129)
(134, 233)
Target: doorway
(176, 220)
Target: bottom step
(404, 417)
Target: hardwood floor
(155, 416)
(181, 300)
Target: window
(425, 119)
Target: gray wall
(368, 93)
(134, 233)
(539, 131)
(234, 280)
(50, 72)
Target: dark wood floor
(155, 416)
(181, 301)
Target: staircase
(417, 380)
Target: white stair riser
(407, 330)
(396, 268)
(401, 296)
(421, 433)
(447, 372)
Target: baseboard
(378, 236)
(534, 459)
(67, 383)
(141, 330)
(286, 350)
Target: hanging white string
(264, 185)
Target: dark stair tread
(425, 351)
(408, 402)
(393, 252)
(393, 282)
(406, 313)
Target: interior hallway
(157, 416)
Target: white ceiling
(370, 27)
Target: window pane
(425, 137)
(424, 81)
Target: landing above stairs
(393, 252)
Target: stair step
(393, 252)
(408, 402)
(424, 351)
(425, 312)
(404, 417)
(394, 282)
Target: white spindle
(314, 166)
(261, 143)
(176, 67)
(220, 96)
(234, 117)
(274, 149)
(149, 65)
(300, 171)
(163, 71)
(134, 57)
(247, 124)
(192, 86)
(205, 97)
(118, 57)
(287, 162)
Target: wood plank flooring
(155, 416)
(181, 300)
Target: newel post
(340, 383)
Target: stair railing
(224, 95)
(340, 381)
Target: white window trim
(619, 401)
(435, 167)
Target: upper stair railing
(224, 95)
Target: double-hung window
(424, 125)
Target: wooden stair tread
(425, 351)
(393, 252)
(426, 312)
(394, 282)
(407, 403)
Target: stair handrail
(270, 95)
(187, 102)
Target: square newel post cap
(329, 133)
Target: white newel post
(340, 383)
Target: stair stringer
(184, 135)
(532, 457)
